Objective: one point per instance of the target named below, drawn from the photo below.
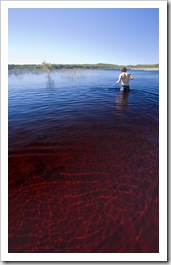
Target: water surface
(83, 162)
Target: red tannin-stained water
(83, 163)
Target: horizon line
(83, 64)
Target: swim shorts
(125, 88)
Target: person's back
(124, 79)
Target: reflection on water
(83, 163)
(50, 82)
(121, 101)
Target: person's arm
(119, 79)
(131, 77)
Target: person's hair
(123, 69)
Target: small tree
(47, 67)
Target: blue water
(78, 98)
(83, 162)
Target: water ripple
(83, 163)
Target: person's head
(123, 69)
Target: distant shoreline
(145, 69)
(102, 66)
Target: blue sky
(83, 35)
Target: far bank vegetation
(48, 67)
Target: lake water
(83, 162)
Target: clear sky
(83, 35)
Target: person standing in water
(124, 78)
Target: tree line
(48, 67)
